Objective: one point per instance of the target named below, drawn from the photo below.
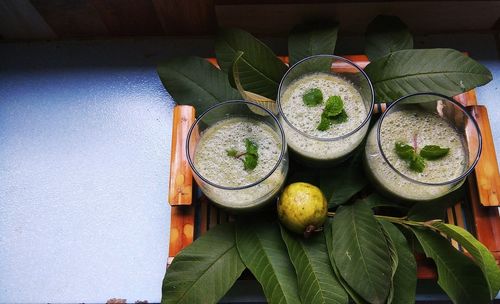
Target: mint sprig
(417, 161)
(432, 152)
(313, 97)
(251, 155)
(333, 113)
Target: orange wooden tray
(192, 214)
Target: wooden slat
(128, 17)
(487, 176)
(181, 229)
(186, 17)
(486, 219)
(76, 18)
(181, 178)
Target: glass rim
(462, 108)
(361, 125)
(225, 103)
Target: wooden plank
(181, 229)
(186, 17)
(487, 176)
(181, 178)
(486, 219)
(68, 19)
(128, 17)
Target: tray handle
(486, 171)
(181, 178)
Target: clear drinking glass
(222, 176)
(333, 75)
(420, 120)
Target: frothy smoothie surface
(418, 129)
(306, 118)
(213, 163)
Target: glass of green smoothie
(325, 103)
(422, 148)
(238, 154)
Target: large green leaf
(394, 262)
(386, 34)
(445, 71)
(360, 252)
(260, 71)
(343, 182)
(316, 280)
(195, 81)
(405, 277)
(263, 251)
(458, 275)
(478, 251)
(311, 39)
(329, 244)
(204, 271)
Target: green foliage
(405, 277)
(231, 152)
(482, 256)
(407, 152)
(458, 275)
(204, 271)
(404, 151)
(195, 81)
(316, 280)
(311, 39)
(432, 152)
(334, 106)
(260, 71)
(404, 72)
(332, 113)
(417, 163)
(263, 251)
(313, 97)
(360, 252)
(386, 34)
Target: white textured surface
(84, 159)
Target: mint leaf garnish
(338, 119)
(232, 152)
(324, 124)
(251, 147)
(404, 151)
(334, 106)
(251, 154)
(417, 163)
(312, 97)
(332, 113)
(407, 152)
(432, 152)
(250, 162)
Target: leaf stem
(400, 220)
